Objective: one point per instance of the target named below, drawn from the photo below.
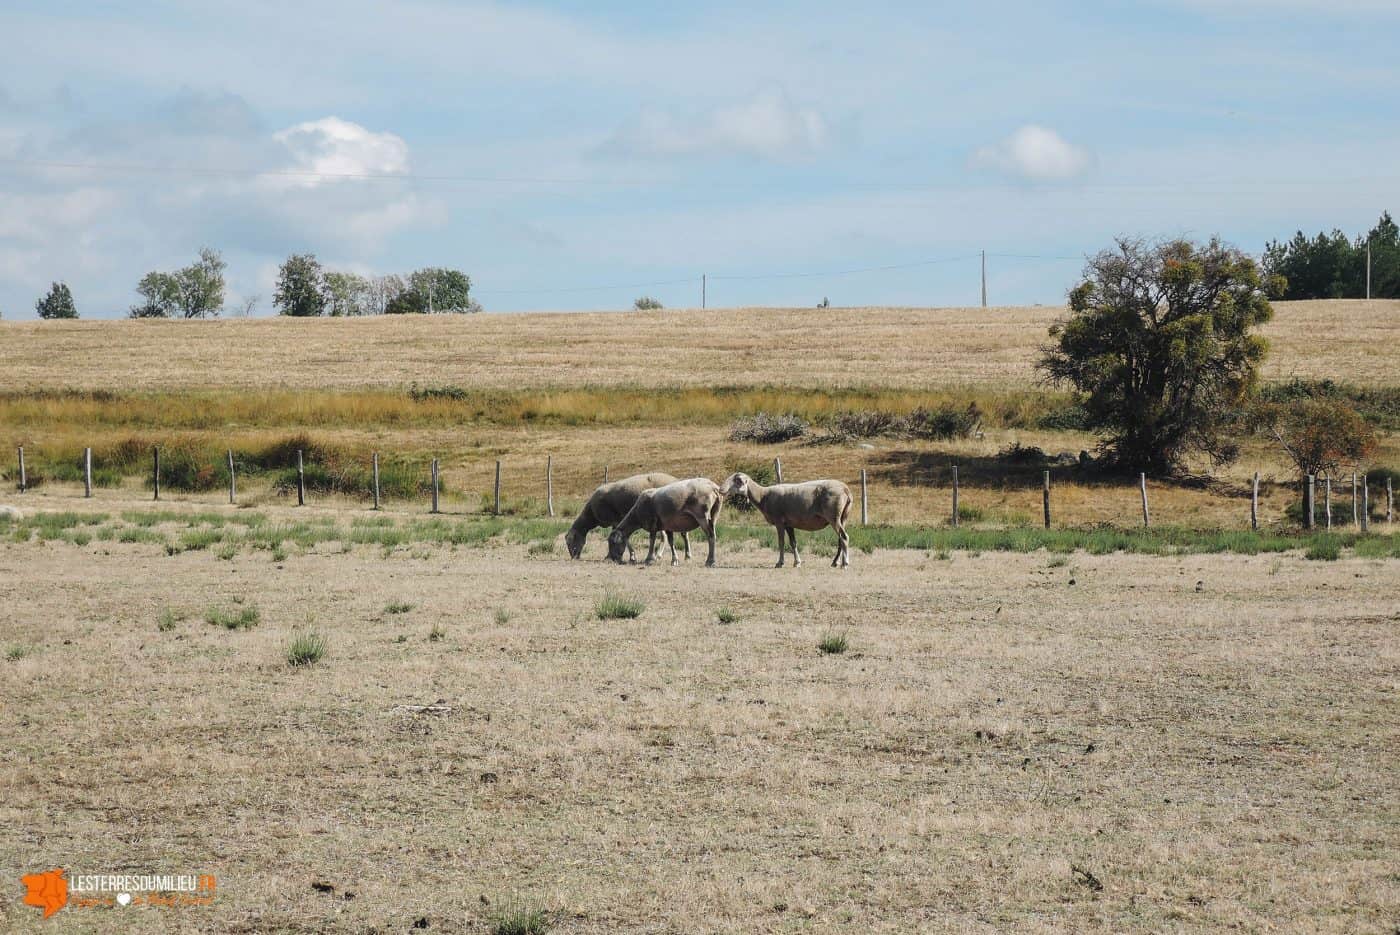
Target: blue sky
(552, 149)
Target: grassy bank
(229, 532)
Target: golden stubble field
(887, 347)
(1212, 739)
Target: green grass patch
(241, 618)
(725, 615)
(305, 649)
(398, 607)
(833, 644)
(615, 606)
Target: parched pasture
(1027, 741)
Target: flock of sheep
(661, 504)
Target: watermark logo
(52, 891)
(48, 891)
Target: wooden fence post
(155, 473)
(1355, 514)
(549, 485)
(605, 473)
(1045, 497)
(1327, 501)
(955, 496)
(1254, 504)
(301, 480)
(435, 485)
(1389, 501)
(1309, 514)
(497, 509)
(1365, 503)
(376, 480)
(23, 480)
(1146, 517)
(864, 499)
(87, 472)
(778, 470)
(232, 484)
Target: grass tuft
(725, 615)
(437, 633)
(615, 606)
(398, 607)
(833, 644)
(515, 919)
(167, 620)
(16, 653)
(306, 649)
(241, 619)
(502, 616)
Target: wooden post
(1045, 497)
(1146, 517)
(155, 473)
(1327, 502)
(435, 485)
(1254, 504)
(301, 480)
(23, 480)
(605, 473)
(549, 485)
(87, 472)
(1365, 503)
(864, 499)
(497, 509)
(1309, 514)
(232, 484)
(778, 470)
(1355, 514)
(376, 480)
(955, 496)
(1389, 501)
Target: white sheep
(809, 506)
(679, 507)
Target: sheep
(678, 507)
(810, 506)
(609, 503)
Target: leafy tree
(347, 294)
(58, 303)
(647, 304)
(1158, 339)
(301, 287)
(1319, 435)
(194, 291)
(383, 291)
(1332, 266)
(434, 289)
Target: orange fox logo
(48, 891)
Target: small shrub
(167, 620)
(863, 423)
(614, 606)
(502, 616)
(305, 649)
(16, 653)
(943, 422)
(833, 644)
(647, 304)
(1323, 550)
(398, 607)
(725, 615)
(765, 429)
(243, 619)
(279, 554)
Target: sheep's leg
(843, 548)
(671, 541)
(782, 546)
(792, 538)
(651, 548)
(685, 538)
(709, 527)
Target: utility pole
(984, 278)
(1368, 269)
(703, 277)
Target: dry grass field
(884, 347)
(1011, 742)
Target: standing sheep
(813, 505)
(609, 503)
(678, 507)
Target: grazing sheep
(11, 512)
(609, 503)
(678, 507)
(813, 505)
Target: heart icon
(124, 898)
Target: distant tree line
(1333, 266)
(306, 289)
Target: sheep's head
(574, 541)
(617, 544)
(738, 482)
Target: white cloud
(334, 147)
(1036, 153)
(769, 125)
